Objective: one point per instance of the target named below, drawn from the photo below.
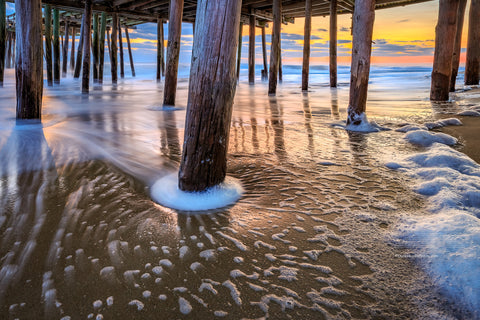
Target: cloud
(404, 20)
(344, 29)
(321, 30)
(383, 47)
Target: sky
(401, 35)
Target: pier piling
(333, 44)
(251, 49)
(29, 63)
(210, 97)
(120, 49)
(264, 54)
(113, 49)
(65, 50)
(95, 47)
(444, 42)
(458, 44)
(48, 43)
(173, 51)
(87, 41)
(160, 49)
(363, 19)
(72, 51)
(130, 55)
(101, 52)
(78, 63)
(306, 44)
(239, 49)
(3, 34)
(275, 49)
(56, 46)
(472, 65)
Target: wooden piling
(95, 48)
(160, 48)
(211, 93)
(264, 54)
(48, 43)
(72, 51)
(280, 66)
(444, 42)
(8, 62)
(458, 44)
(113, 48)
(3, 35)
(78, 63)
(29, 63)
(87, 41)
(363, 19)
(239, 49)
(306, 44)
(56, 46)
(101, 52)
(251, 49)
(275, 49)
(65, 50)
(120, 49)
(472, 64)
(333, 43)
(173, 51)
(130, 55)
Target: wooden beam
(29, 66)
(113, 48)
(251, 50)
(458, 44)
(3, 35)
(78, 63)
(275, 49)
(333, 44)
(173, 51)
(210, 96)
(363, 18)
(101, 51)
(56, 46)
(306, 44)
(87, 41)
(130, 55)
(444, 42)
(472, 65)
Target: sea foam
(447, 241)
(167, 193)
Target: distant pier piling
(363, 19)
(87, 41)
(444, 46)
(120, 49)
(65, 50)
(239, 50)
(95, 47)
(48, 44)
(29, 63)
(264, 54)
(130, 55)
(275, 50)
(101, 52)
(472, 65)
(173, 51)
(72, 50)
(333, 44)
(56, 46)
(3, 36)
(160, 49)
(251, 48)
(79, 61)
(204, 158)
(113, 49)
(306, 44)
(458, 44)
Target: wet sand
(312, 238)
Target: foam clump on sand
(166, 192)
(360, 123)
(426, 139)
(443, 123)
(447, 240)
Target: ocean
(332, 224)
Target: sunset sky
(401, 35)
